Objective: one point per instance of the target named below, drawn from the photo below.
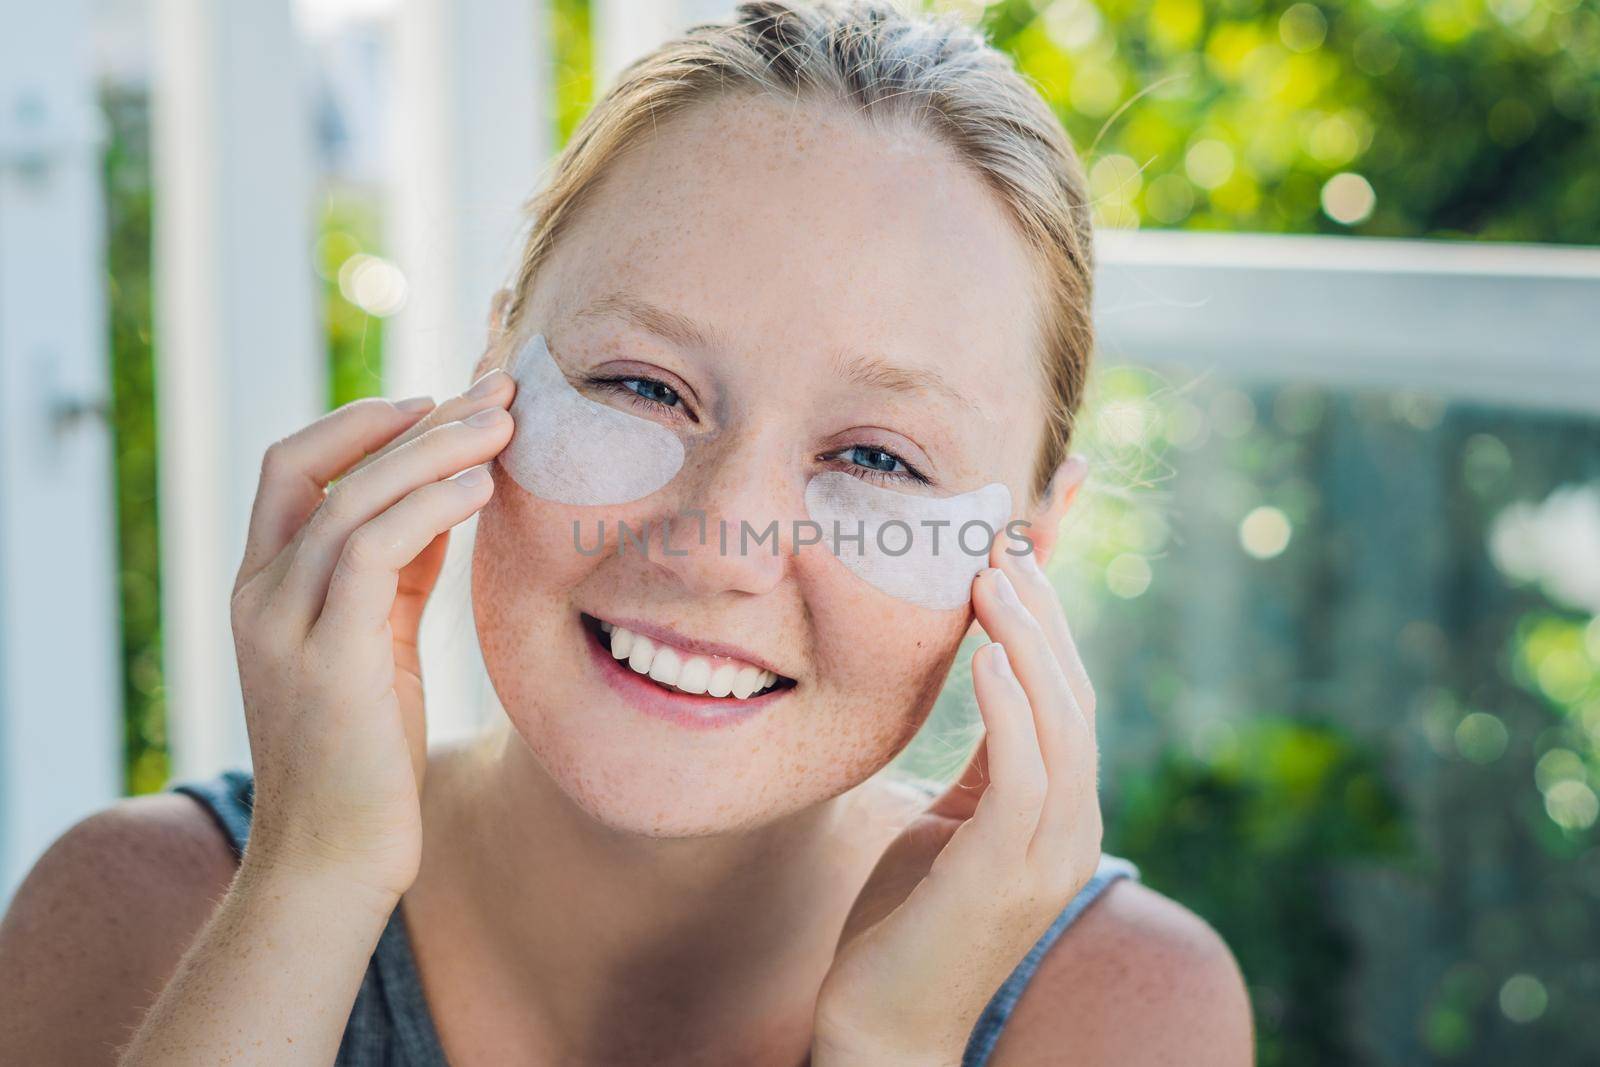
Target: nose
(734, 530)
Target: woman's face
(791, 293)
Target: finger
(360, 497)
(361, 592)
(1008, 812)
(295, 470)
(1006, 619)
(1041, 598)
(420, 576)
(417, 580)
(1066, 740)
(494, 389)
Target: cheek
(883, 661)
(523, 566)
(513, 567)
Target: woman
(809, 242)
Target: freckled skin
(794, 230)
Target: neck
(590, 925)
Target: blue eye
(875, 459)
(879, 465)
(646, 393)
(652, 390)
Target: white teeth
(664, 668)
(683, 670)
(721, 683)
(641, 654)
(746, 682)
(695, 674)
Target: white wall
(240, 361)
(60, 687)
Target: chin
(633, 778)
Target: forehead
(798, 228)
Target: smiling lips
(686, 671)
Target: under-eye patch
(571, 450)
(925, 550)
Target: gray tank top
(390, 1025)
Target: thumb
(417, 580)
(961, 799)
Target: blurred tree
(133, 426)
(1450, 118)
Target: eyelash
(624, 386)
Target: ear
(1045, 521)
(498, 305)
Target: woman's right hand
(325, 615)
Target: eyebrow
(669, 325)
(873, 372)
(866, 371)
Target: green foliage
(1462, 118)
(133, 426)
(346, 229)
(574, 64)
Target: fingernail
(413, 404)
(999, 662)
(1007, 591)
(472, 476)
(486, 385)
(1030, 560)
(485, 418)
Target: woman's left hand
(963, 893)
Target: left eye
(652, 390)
(880, 465)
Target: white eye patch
(571, 450)
(925, 550)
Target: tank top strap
(998, 1011)
(229, 799)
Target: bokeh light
(1481, 737)
(1523, 998)
(1572, 805)
(1348, 198)
(1303, 28)
(1128, 576)
(1265, 532)
(372, 284)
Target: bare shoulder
(100, 923)
(1137, 980)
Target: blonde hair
(935, 72)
